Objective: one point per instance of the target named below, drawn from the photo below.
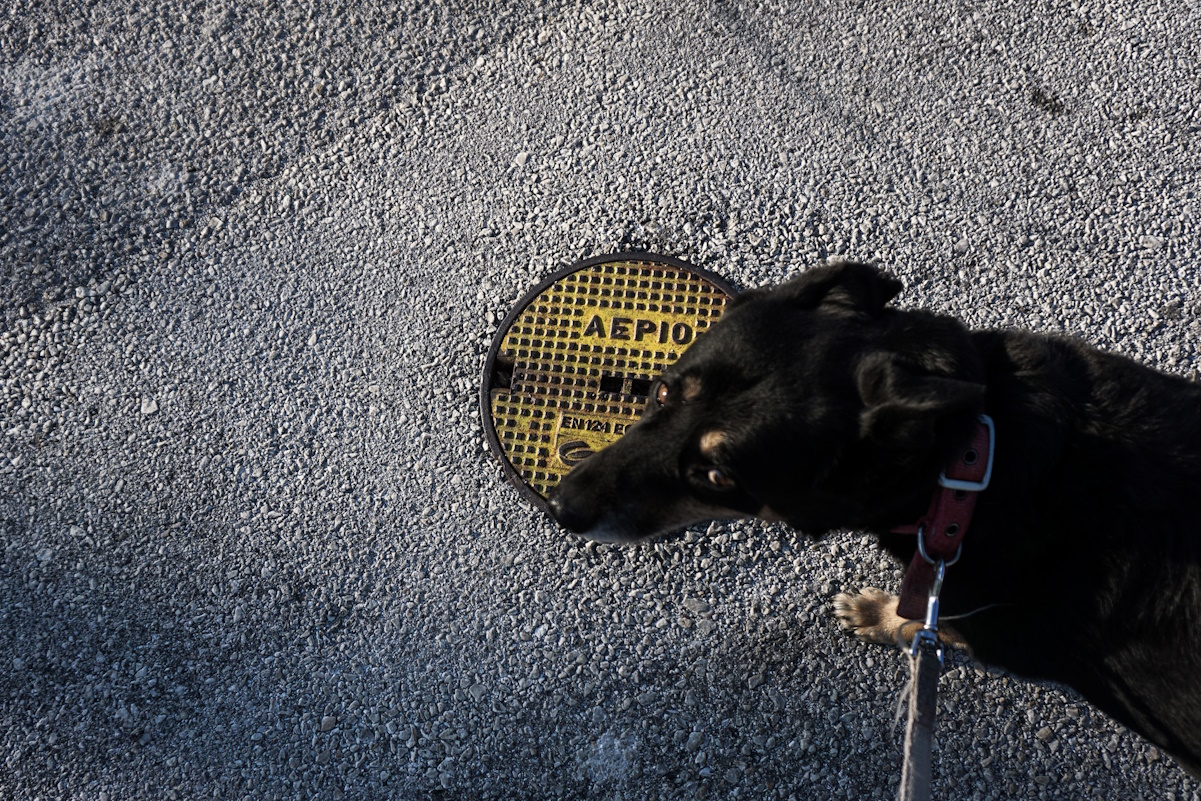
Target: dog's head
(812, 402)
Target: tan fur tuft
(710, 441)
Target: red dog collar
(940, 531)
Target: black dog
(816, 404)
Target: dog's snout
(569, 514)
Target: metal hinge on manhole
(573, 364)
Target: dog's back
(1095, 510)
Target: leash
(939, 532)
(925, 665)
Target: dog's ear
(851, 286)
(903, 407)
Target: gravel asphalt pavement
(252, 544)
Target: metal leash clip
(928, 634)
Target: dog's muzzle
(568, 515)
(587, 524)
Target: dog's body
(816, 404)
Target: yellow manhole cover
(573, 364)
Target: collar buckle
(966, 485)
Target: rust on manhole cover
(572, 365)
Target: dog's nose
(568, 514)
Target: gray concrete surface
(251, 543)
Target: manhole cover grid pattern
(585, 352)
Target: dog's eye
(718, 479)
(661, 394)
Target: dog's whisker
(976, 611)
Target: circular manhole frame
(651, 261)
